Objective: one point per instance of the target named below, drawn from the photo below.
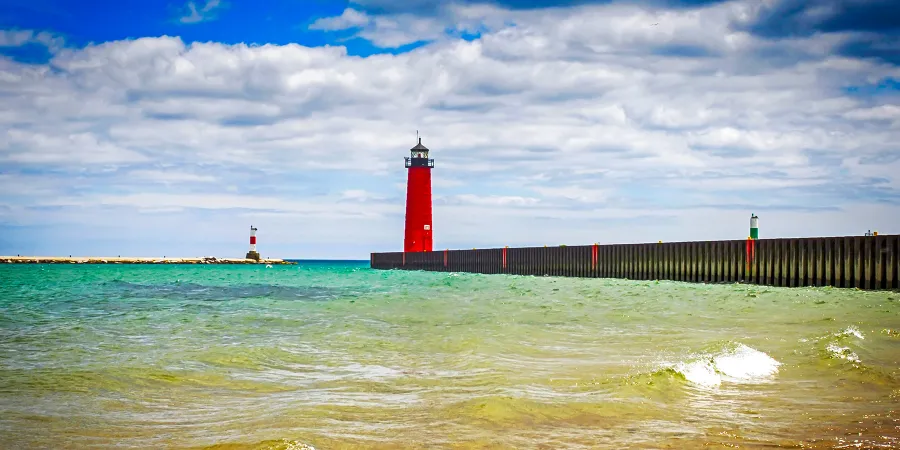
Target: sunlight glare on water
(335, 355)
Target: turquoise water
(335, 355)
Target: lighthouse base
(252, 255)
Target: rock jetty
(129, 260)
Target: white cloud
(201, 14)
(884, 170)
(17, 38)
(491, 200)
(578, 122)
(171, 176)
(21, 146)
(321, 208)
(350, 18)
(575, 193)
(359, 195)
(881, 112)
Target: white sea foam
(296, 445)
(700, 372)
(746, 363)
(850, 331)
(742, 364)
(842, 352)
(371, 372)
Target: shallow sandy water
(340, 356)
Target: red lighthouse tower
(418, 200)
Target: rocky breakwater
(131, 260)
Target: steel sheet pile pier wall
(869, 262)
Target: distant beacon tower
(754, 226)
(253, 254)
(418, 200)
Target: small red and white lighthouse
(253, 254)
(418, 200)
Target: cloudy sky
(154, 128)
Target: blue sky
(228, 22)
(168, 127)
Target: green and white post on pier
(754, 226)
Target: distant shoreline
(134, 260)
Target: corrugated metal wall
(865, 262)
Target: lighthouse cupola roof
(418, 156)
(419, 147)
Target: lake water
(333, 355)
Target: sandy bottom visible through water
(336, 356)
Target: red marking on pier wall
(594, 251)
(446, 253)
(750, 247)
(504, 257)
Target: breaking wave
(284, 444)
(741, 364)
(850, 331)
(837, 351)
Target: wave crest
(287, 444)
(740, 364)
(850, 331)
(837, 351)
